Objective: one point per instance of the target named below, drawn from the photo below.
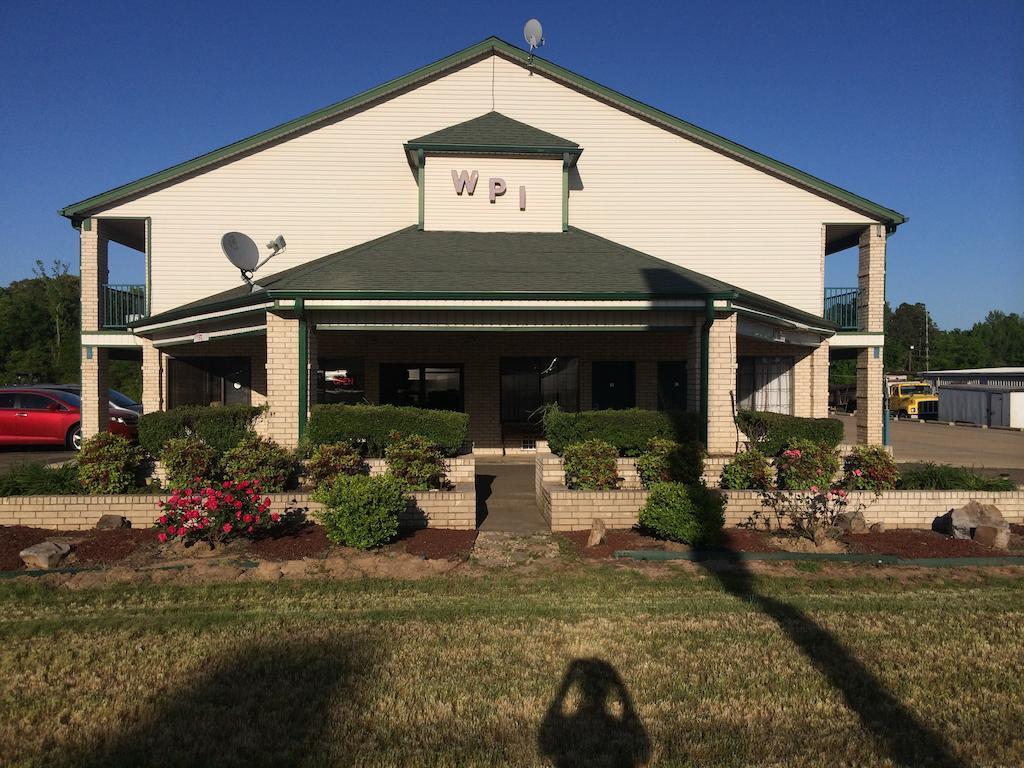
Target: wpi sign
(465, 181)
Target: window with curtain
(765, 383)
(527, 383)
(437, 386)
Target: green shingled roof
(496, 132)
(411, 264)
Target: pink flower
(247, 518)
(857, 472)
(249, 529)
(227, 528)
(814, 489)
(162, 537)
(181, 531)
(225, 484)
(274, 516)
(163, 519)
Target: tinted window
(69, 398)
(341, 380)
(613, 385)
(527, 383)
(671, 386)
(424, 386)
(6, 399)
(29, 401)
(121, 399)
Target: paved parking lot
(12, 456)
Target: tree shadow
(483, 493)
(905, 739)
(592, 721)
(264, 705)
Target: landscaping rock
(47, 554)
(851, 522)
(597, 532)
(963, 523)
(878, 527)
(990, 536)
(113, 522)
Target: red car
(31, 416)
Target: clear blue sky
(916, 105)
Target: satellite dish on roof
(240, 250)
(534, 34)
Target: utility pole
(927, 349)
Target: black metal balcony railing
(841, 307)
(122, 305)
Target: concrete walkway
(505, 498)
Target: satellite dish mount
(243, 253)
(534, 34)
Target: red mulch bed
(437, 543)
(308, 540)
(91, 547)
(14, 538)
(735, 539)
(908, 544)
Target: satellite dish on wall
(240, 250)
(534, 34)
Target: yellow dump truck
(913, 399)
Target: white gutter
(199, 338)
(200, 318)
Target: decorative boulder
(597, 532)
(851, 522)
(963, 523)
(48, 554)
(990, 536)
(878, 527)
(113, 522)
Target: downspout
(300, 310)
(705, 362)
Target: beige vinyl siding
(350, 181)
(444, 209)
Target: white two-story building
(487, 234)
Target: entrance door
(613, 385)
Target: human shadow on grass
(591, 721)
(904, 738)
(258, 706)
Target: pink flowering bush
(870, 468)
(220, 513)
(811, 513)
(804, 464)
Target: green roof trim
(494, 132)
(492, 45)
(413, 264)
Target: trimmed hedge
(372, 426)
(691, 514)
(220, 427)
(771, 433)
(628, 430)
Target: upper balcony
(121, 305)
(841, 307)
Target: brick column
(871, 279)
(819, 381)
(95, 395)
(723, 435)
(152, 377)
(93, 257)
(870, 375)
(282, 420)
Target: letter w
(464, 180)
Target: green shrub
(40, 480)
(806, 465)
(750, 469)
(942, 477)
(691, 514)
(416, 461)
(332, 460)
(771, 433)
(591, 466)
(109, 463)
(362, 511)
(371, 426)
(189, 462)
(260, 460)
(628, 430)
(221, 427)
(666, 461)
(870, 468)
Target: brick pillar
(870, 376)
(723, 435)
(871, 279)
(282, 420)
(93, 257)
(819, 381)
(95, 395)
(152, 377)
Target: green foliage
(416, 462)
(371, 426)
(189, 462)
(221, 427)
(691, 514)
(591, 465)
(39, 328)
(362, 511)
(109, 463)
(771, 433)
(261, 461)
(748, 470)
(40, 480)
(806, 465)
(628, 430)
(666, 461)
(332, 460)
(942, 477)
(870, 468)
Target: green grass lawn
(594, 666)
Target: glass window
(613, 385)
(29, 401)
(341, 380)
(672, 385)
(437, 386)
(6, 399)
(122, 400)
(69, 398)
(527, 383)
(765, 384)
(208, 381)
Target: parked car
(117, 399)
(41, 416)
